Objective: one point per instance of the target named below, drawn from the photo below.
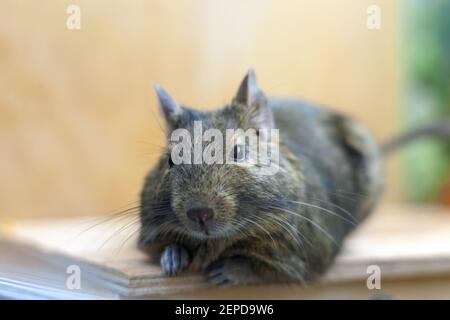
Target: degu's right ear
(171, 110)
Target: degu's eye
(238, 153)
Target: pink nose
(200, 215)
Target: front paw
(174, 259)
(229, 272)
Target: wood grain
(405, 242)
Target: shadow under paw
(228, 272)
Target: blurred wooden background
(77, 111)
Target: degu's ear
(253, 97)
(168, 106)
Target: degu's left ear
(169, 107)
(253, 97)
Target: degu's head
(221, 169)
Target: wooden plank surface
(405, 242)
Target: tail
(439, 130)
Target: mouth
(204, 228)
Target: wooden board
(405, 242)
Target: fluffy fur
(282, 228)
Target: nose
(200, 215)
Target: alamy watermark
(73, 281)
(255, 149)
(73, 21)
(374, 278)
(373, 21)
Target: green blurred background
(425, 60)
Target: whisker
(118, 215)
(290, 229)
(132, 234)
(118, 232)
(263, 229)
(286, 226)
(310, 221)
(324, 210)
(348, 213)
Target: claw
(174, 259)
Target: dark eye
(238, 153)
(170, 162)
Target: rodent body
(287, 227)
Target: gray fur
(282, 228)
